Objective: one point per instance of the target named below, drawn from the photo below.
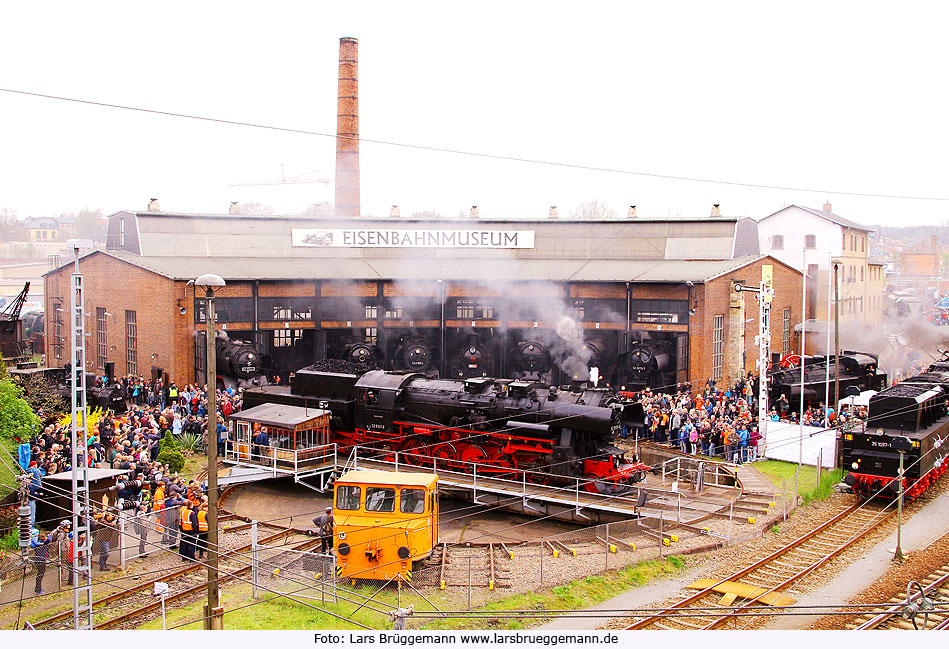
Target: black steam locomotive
(110, 396)
(910, 417)
(647, 363)
(504, 427)
(239, 364)
(856, 369)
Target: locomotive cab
(384, 522)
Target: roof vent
(632, 212)
(235, 208)
(153, 205)
(553, 212)
(394, 211)
(715, 210)
(474, 212)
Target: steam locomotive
(508, 428)
(909, 417)
(239, 364)
(856, 369)
(111, 396)
(647, 363)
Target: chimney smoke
(347, 130)
(716, 211)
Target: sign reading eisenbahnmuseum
(389, 238)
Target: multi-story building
(814, 241)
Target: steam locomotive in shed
(648, 363)
(504, 427)
(239, 363)
(910, 418)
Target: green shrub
(173, 458)
(167, 442)
(190, 442)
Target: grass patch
(578, 594)
(808, 488)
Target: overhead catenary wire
(492, 156)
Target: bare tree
(427, 214)
(8, 221)
(594, 210)
(318, 209)
(256, 209)
(87, 224)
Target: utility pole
(213, 614)
(836, 333)
(765, 294)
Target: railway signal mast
(764, 295)
(81, 514)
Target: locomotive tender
(508, 428)
(910, 416)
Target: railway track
(771, 580)
(935, 587)
(138, 600)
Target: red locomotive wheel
(590, 484)
(445, 456)
(472, 454)
(537, 478)
(414, 451)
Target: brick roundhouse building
(541, 299)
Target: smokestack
(394, 211)
(153, 205)
(715, 210)
(828, 207)
(553, 212)
(347, 130)
(235, 208)
(474, 212)
(632, 212)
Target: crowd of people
(152, 494)
(713, 421)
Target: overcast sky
(833, 96)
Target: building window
(485, 309)
(131, 343)
(660, 311)
(786, 332)
(394, 312)
(861, 273)
(810, 241)
(863, 244)
(372, 335)
(777, 242)
(578, 310)
(281, 313)
(464, 309)
(718, 344)
(372, 312)
(286, 337)
(102, 339)
(57, 329)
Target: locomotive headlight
(855, 465)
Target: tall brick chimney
(347, 130)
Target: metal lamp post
(214, 614)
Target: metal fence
(299, 573)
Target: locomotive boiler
(414, 354)
(909, 417)
(856, 369)
(508, 428)
(530, 360)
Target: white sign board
(393, 238)
(787, 441)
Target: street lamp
(214, 614)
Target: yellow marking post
(556, 553)
(632, 546)
(441, 584)
(771, 505)
(673, 538)
(490, 584)
(318, 576)
(612, 548)
(665, 541)
(744, 591)
(752, 520)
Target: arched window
(777, 242)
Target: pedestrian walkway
(752, 482)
